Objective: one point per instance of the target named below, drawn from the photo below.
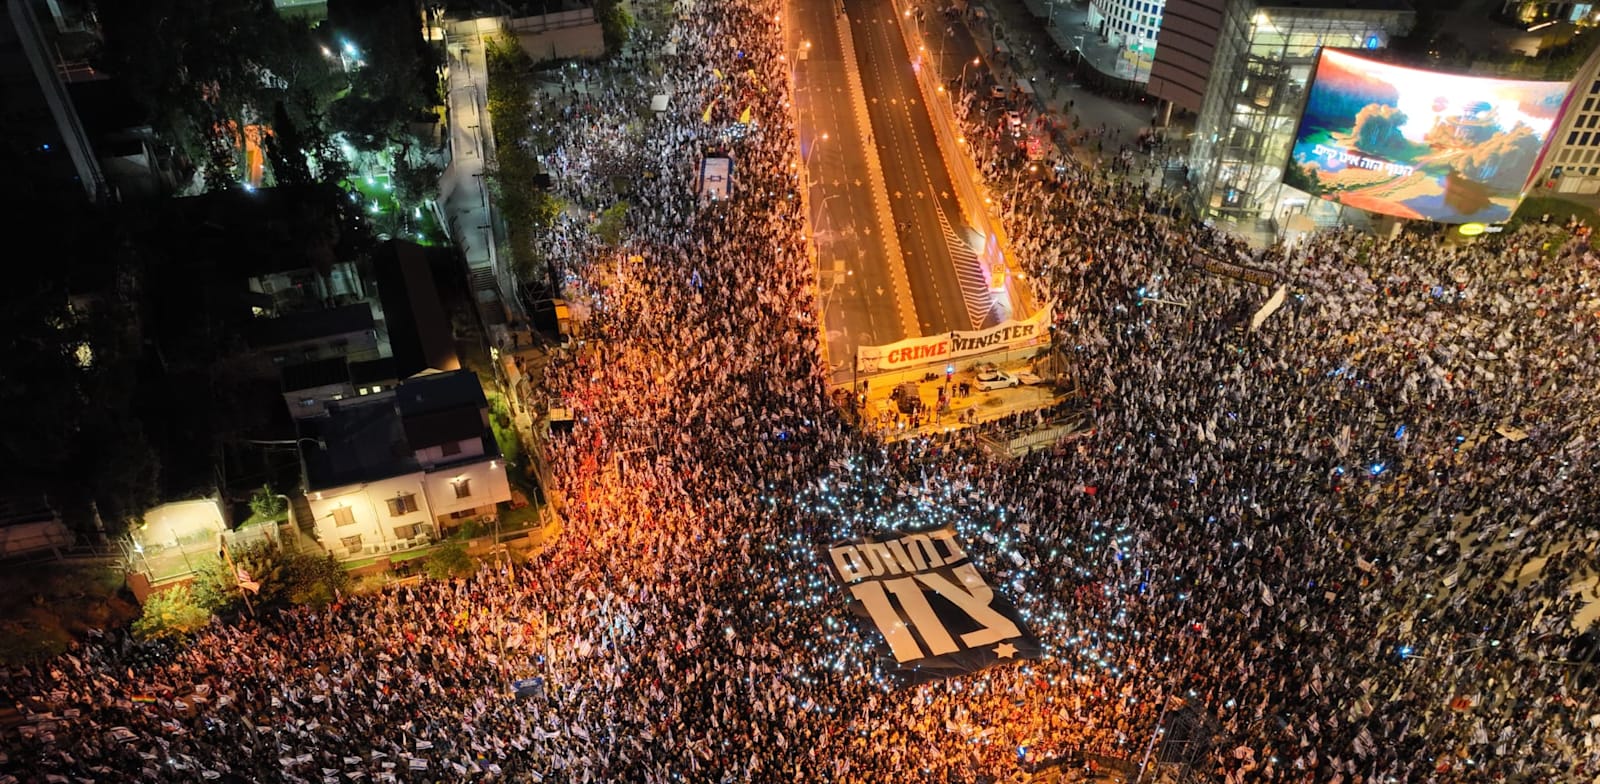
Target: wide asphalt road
(854, 267)
(947, 283)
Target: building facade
(1571, 162)
(409, 510)
(1255, 89)
(1131, 26)
(394, 471)
(1188, 39)
(45, 135)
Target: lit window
(402, 505)
(363, 390)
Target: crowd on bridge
(1350, 545)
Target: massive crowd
(1349, 546)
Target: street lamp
(833, 287)
(814, 142)
(974, 61)
(820, 210)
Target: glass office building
(1256, 89)
(1131, 26)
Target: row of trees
(529, 211)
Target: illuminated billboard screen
(1420, 144)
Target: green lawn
(396, 558)
(518, 519)
(1534, 208)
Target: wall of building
(1185, 47)
(1127, 22)
(434, 455)
(314, 400)
(435, 496)
(40, 114)
(1255, 94)
(1571, 163)
(369, 513)
(486, 483)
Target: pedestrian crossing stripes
(969, 273)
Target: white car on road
(989, 379)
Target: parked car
(1029, 379)
(907, 397)
(990, 378)
(998, 93)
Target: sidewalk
(1068, 25)
(1041, 55)
(463, 194)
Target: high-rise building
(1242, 66)
(1190, 30)
(1571, 162)
(1131, 26)
(44, 141)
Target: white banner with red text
(947, 346)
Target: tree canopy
(206, 68)
(397, 81)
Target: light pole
(815, 141)
(822, 210)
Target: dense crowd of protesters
(1348, 546)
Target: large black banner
(936, 615)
